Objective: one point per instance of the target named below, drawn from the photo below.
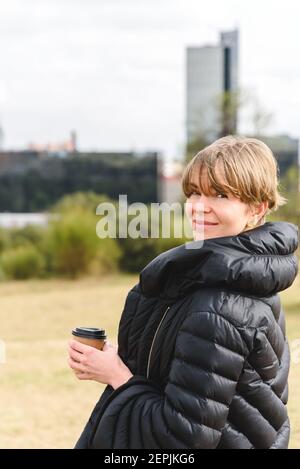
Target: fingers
(82, 376)
(76, 356)
(76, 366)
(79, 347)
(75, 360)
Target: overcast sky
(113, 70)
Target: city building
(32, 181)
(57, 148)
(211, 71)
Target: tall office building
(210, 72)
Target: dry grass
(42, 404)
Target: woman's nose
(201, 204)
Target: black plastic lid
(89, 332)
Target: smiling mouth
(204, 223)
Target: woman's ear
(261, 209)
(257, 213)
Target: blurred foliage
(289, 183)
(138, 252)
(195, 146)
(30, 234)
(289, 212)
(80, 200)
(22, 262)
(5, 239)
(70, 244)
(67, 246)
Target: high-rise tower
(211, 80)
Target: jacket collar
(257, 262)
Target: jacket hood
(259, 262)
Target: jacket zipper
(151, 348)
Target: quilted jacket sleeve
(208, 359)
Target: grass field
(42, 404)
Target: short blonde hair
(249, 169)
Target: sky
(114, 70)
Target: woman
(203, 359)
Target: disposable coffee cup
(90, 336)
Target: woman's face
(215, 215)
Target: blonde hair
(249, 171)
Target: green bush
(30, 234)
(5, 240)
(289, 212)
(107, 257)
(137, 253)
(22, 262)
(72, 247)
(71, 243)
(87, 201)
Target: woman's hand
(104, 366)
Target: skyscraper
(211, 82)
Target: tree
(261, 118)
(228, 106)
(195, 146)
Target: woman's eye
(189, 194)
(218, 195)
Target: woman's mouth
(204, 223)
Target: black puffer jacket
(204, 335)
